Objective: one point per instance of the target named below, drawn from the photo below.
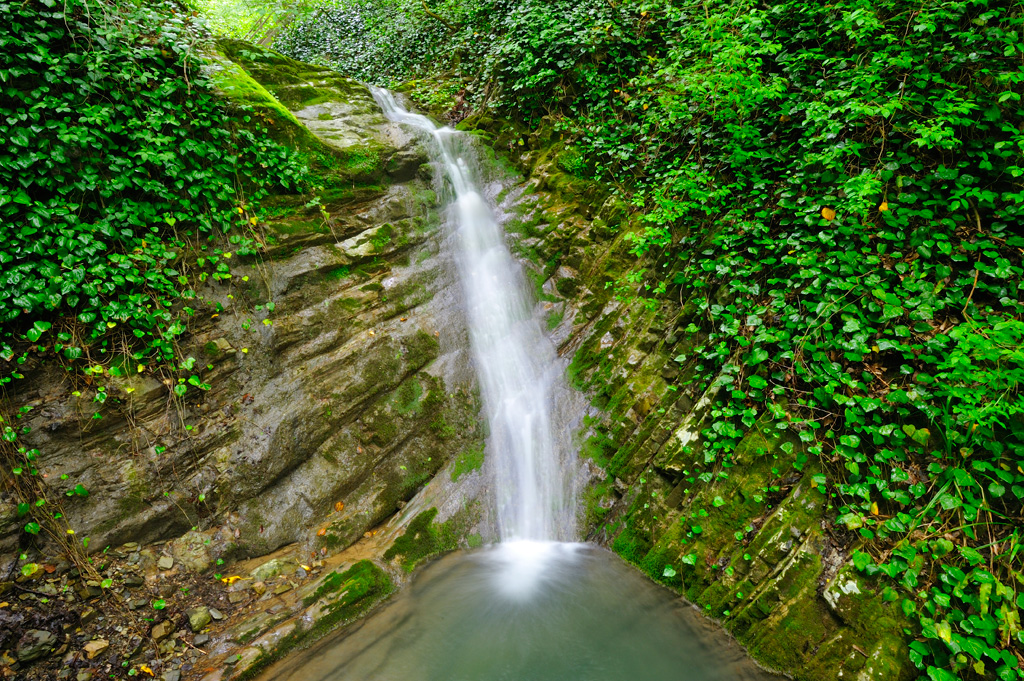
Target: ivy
(125, 186)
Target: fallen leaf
(828, 214)
(338, 506)
(322, 532)
(874, 508)
(884, 206)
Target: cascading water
(516, 364)
(533, 607)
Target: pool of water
(527, 611)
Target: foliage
(126, 185)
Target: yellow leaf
(139, 369)
(111, 325)
(828, 214)
(645, 107)
(230, 580)
(874, 508)
(884, 206)
(253, 221)
(322, 532)
(146, 669)
(71, 531)
(4, 604)
(245, 278)
(874, 348)
(129, 390)
(245, 350)
(339, 506)
(227, 255)
(240, 211)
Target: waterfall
(516, 364)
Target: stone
(165, 563)
(130, 546)
(36, 643)
(201, 639)
(84, 676)
(260, 588)
(97, 647)
(274, 568)
(88, 616)
(172, 675)
(199, 617)
(191, 550)
(161, 630)
(134, 581)
(236, 597)
(216, 614)
(282, 589)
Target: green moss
(419, 541)
(470, 459)
(360, 587)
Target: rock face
(747, 544)
(335, 360)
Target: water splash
(515, 362)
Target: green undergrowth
(127, 186)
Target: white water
(515, 362)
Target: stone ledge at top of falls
(322, 422)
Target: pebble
(172, 675)
(161, 630)
(97, 647)
(165, 563)
(216, 614)
(201, 639)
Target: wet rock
(165, 562)
(274, 568)
(199, 618)
(97, 647)
(216, 614)
(36, 643)
(201, 639)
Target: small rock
(165, 563)
(161, 630)
(236, 597)
(199, 617)
(201, 639)
(300, 573)
(84, 676)
(172, 675)
(282, 589)
(35, 644)
(97, 647)
(134, 581)
(88, 616)
(216, 614)
(260, 588)
(274, 568)
(130, 546)
(192, 551)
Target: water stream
(514, 361)
(537, 606)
